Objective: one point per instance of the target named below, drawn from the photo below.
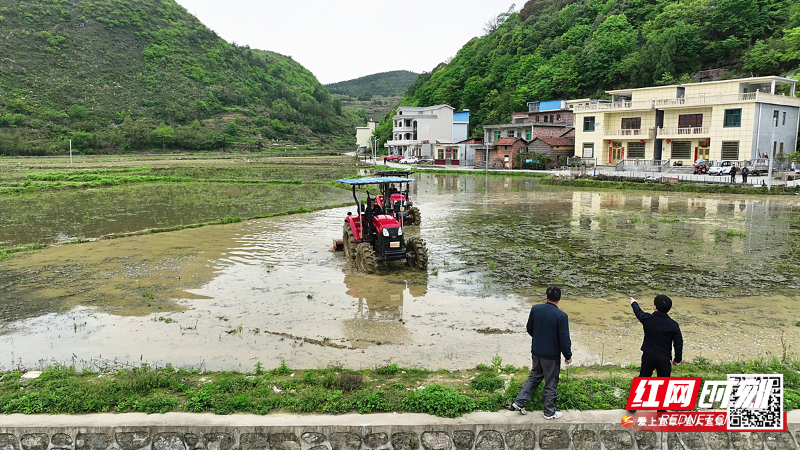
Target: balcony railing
(403, 129)
(695, 131)
(694, 100)
(641, 133)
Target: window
(588, 149)
(537, 118)
(510, 133)
(783, 122)
(690, 121)
(497, 136)
(441, 153)
(681, 150)
(519, 134)
(588, 123)
(558, 116)
(635, 150)
(528, 135)
(519, 120)
(632, 123)
(781, 148)
(730, 150)
(733, 118)
(545, 119)
(775, 117)
(551, 118)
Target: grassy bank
(614, 183)
(336, 390)
(481, 172)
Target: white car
(409, 160)
(720, 168)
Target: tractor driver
(376, 210)
(393, 190)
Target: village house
(423, 131)
(502, 154)
(735, 120)
(364, 136)
(553, 146)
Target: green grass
(335, 390)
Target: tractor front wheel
(413, 216)
(416, 253)
(349, 242)
(366, 260)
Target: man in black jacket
(549, 330)
(660, 334)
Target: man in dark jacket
(733, 174)
(549, 330)
(660, 334)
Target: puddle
(225, 297)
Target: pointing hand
(633, 300)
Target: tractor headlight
(386, 232)
(399, 231)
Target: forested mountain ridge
(556, 49)
(385, 84)
(107, 73)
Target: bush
(439, 401)
(351, 381)
(372, 401)
(488, 382)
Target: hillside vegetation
(556, 49)
(386, 84)
(114, 75)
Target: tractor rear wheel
(349, 242)
(366, 260)
(413, 216)
(416, 253)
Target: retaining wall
(245, 434)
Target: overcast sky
(343, 39)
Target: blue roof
(376, 180)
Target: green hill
(557, 49)
(386, 84)
(128, 75)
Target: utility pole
(70, 152)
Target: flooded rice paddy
(225, 297)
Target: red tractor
(375, 235)
(408, 212)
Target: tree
(162, 134)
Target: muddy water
(227, 296)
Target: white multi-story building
(364, 135)
(416, 130)
(735, 119)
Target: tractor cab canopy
(376, 180)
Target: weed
(497, 361)
(391, 370)
(148, 295)
(351, 381)
(488, 382)
(442, 401)
(282, 369)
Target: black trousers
(662, 367)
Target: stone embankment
(592, 430)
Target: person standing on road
(660, 334)
(733, 174)
(549, 330)
(745, 173)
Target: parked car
(409, 160)
(720, 168)
(392, 157)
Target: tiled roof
(557, 141)
(508, 141)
